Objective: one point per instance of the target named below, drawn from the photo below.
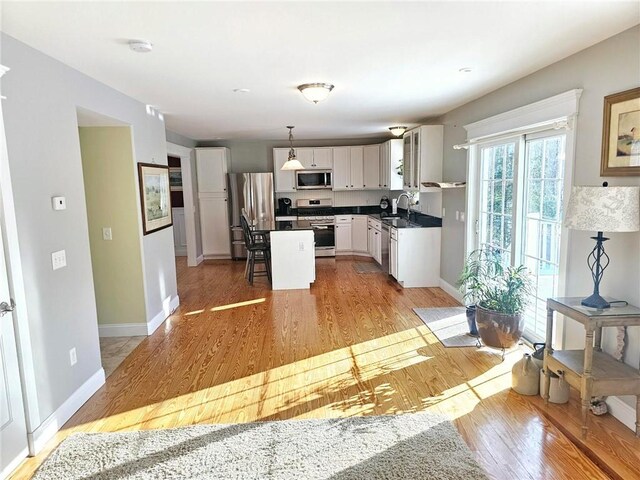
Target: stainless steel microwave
(313, 179)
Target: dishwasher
(384, 247)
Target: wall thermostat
(59, 203)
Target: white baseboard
(180, 251)
(122, 330)
(168, 307)
(622, 411)
(199, 260)
(47, 430)
(138, 329)
(451, 290)
(13, 464)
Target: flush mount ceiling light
(315, 92)
(465, 70)
(292, 162)
(140, 46)
(398, 131)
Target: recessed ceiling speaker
(140, 46)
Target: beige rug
(449, 325)
(367, 267)
(396, 447)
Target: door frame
(184, 153)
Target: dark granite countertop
(417, 220)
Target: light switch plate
(58, 259)
(73, 357)
(462, 216)
(59, 203)
(106, 233)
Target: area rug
(366, 267)
(449, 325)
(410, 446)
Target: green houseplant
(500, 296)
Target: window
(519, 211)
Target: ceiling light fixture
(315, 92)
(465, 70)
(398, 131)
(140, 46)
(292, 162)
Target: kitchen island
(292, 253)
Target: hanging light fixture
(292, 162)
(315, 92)
(398, 131)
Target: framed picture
(155, 197)
(621, 134)
(175, 179)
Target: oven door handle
(317, 226)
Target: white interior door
(13, 430)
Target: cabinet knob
(352, 185)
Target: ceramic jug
(525, 376)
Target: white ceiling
(391, 62)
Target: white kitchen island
(293, 262)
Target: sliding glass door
(519, 211)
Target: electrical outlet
(58, 259)
(443, 212)
(106, 233)
(73, 358)
(301, 246)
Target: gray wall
(257, 156)
(608, 67)
(178, 139)
(44, 154)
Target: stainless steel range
(318, 212)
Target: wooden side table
(591, 370)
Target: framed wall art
(621, 134)
(175, 179)
(155, 197)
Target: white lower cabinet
(375, 240)
(343, 237)
(214, 224)
(414, 257)
(359, 240)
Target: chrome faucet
(408, 196)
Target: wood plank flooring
(350, 346)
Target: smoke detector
(140, 46)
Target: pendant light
(315, 92)
(292, 162)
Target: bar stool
(258, 251)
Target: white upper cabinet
(423, 155)
(212, 165)
(305, 157)
(323, 158)
(341, 168)
(390, 161)
(320, 158)
(371, 169)
(356, 167)
(285, 180)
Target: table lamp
(602, 209)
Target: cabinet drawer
(393, 232)
(343, 218)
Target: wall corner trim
(199, 260)
(451, 290)
(169, 306)
(47, 430)
(623, 412)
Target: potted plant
(500, 295)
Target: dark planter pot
(499, 330)
(471, 320)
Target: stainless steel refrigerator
(253, 192)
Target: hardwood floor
(350, 346)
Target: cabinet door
(323, 158)
(359, 240)
(371, 165)
(305, 157)
(407, 161)
(356, 159)
(393, 258)
(211, 165)
(395, 159)
(370, 241)
(179, 232)
(285, 179)
(214, 223)
(341, 168)
(343, 237)
(415, 159)
(384, 164)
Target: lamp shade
(604, 209)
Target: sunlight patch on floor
(238, 304)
